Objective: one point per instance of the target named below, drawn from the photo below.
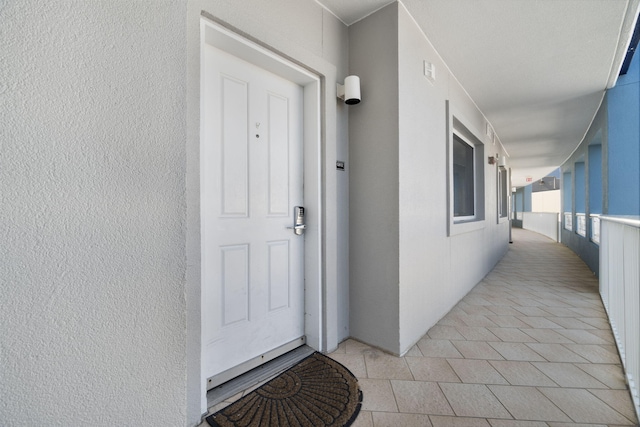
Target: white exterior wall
(100, 306)
(406, 271)
(436, 271)
(546, 201)
(92, 173)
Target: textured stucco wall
(92, 213)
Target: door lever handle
(298, 221)
(298, 227)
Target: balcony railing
(568, 221)
(595, 228)
(545, 223)
(581, 224)
(620, 291)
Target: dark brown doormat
(318, 391)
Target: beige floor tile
(562, 312)
(546, 336)
(497, 300)
(599, 323)
(590, 312)
(578, 425)
(556, 353)
(443, 332)
(432, 369)
(377, 395)
(516, 351)
(353, 362)
(364, 419)
(553, 301)
(620, 400)
(569, 322)
(476, 333)
(474, 299)
(511, 334)
(508, 321)
(474, 400)
(504, 310)
(452, 320)
(478, 320)
(419, 397)
(387, 419)
(442, 421)
(477, 350)
(476, 372)
(568, 375)
(474, 310)
(517, 423)
(342, 348)
(414, 352)
(596, 322)
(438, 348)
(522, 373)
(527, 403)
(385, 366)
(596, 353)
(356, 347)
(530, 312)
(610, 375)
(605, 334)
(583, 407)
(539, 322)
(581, 336)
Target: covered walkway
(530, 345)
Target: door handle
(298, 221)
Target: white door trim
(216, 35)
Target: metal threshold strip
(257, 375)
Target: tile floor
(529, 346)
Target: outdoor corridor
(530, 346)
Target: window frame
(459, 125)
(465, 218)
(503, 193)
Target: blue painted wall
(519, 200)
(581, 189)
(603, 174)
(527, 198)
(595, 179)
(623, 181)
(567, 192)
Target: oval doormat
(318, 391)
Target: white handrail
(545, 223)
(620, 291)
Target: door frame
(217, 35)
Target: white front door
(251, 172)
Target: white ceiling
(536, 68)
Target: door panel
(251, 178)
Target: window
(465, 175)
(464, 200)
(503, 192)
(567, 201)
